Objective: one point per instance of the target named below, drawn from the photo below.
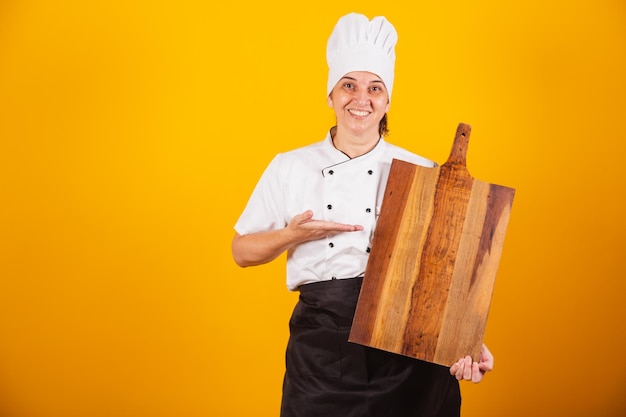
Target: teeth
(359, 113)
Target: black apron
(327, 376)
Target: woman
(320, 203)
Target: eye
(348, 85)
(376, 89)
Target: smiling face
(360, 101)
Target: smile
(360, 113)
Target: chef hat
(360, 44)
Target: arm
(262, 247)
(465, 369)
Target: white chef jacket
(337, 188)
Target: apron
(327, 376)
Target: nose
(361, 97)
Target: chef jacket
(336, 188)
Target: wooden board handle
(458, 154)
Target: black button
(368, 210)
(331, 244)
(368, 250)
(334, 278)
(329, 207)
(331, 172)
(370, 172)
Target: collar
(330, 146)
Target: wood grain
(430, 276)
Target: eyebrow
(354, 79)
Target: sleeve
(265, 208)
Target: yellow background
(132, 133)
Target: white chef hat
(360, 44)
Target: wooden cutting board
(429, 280)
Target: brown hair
(383, 130)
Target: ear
(387, 108)
(329, 100)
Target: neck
(353, 145)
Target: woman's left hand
(465, 369)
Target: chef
(320, 204)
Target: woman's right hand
(308, 229)
(262, 247)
